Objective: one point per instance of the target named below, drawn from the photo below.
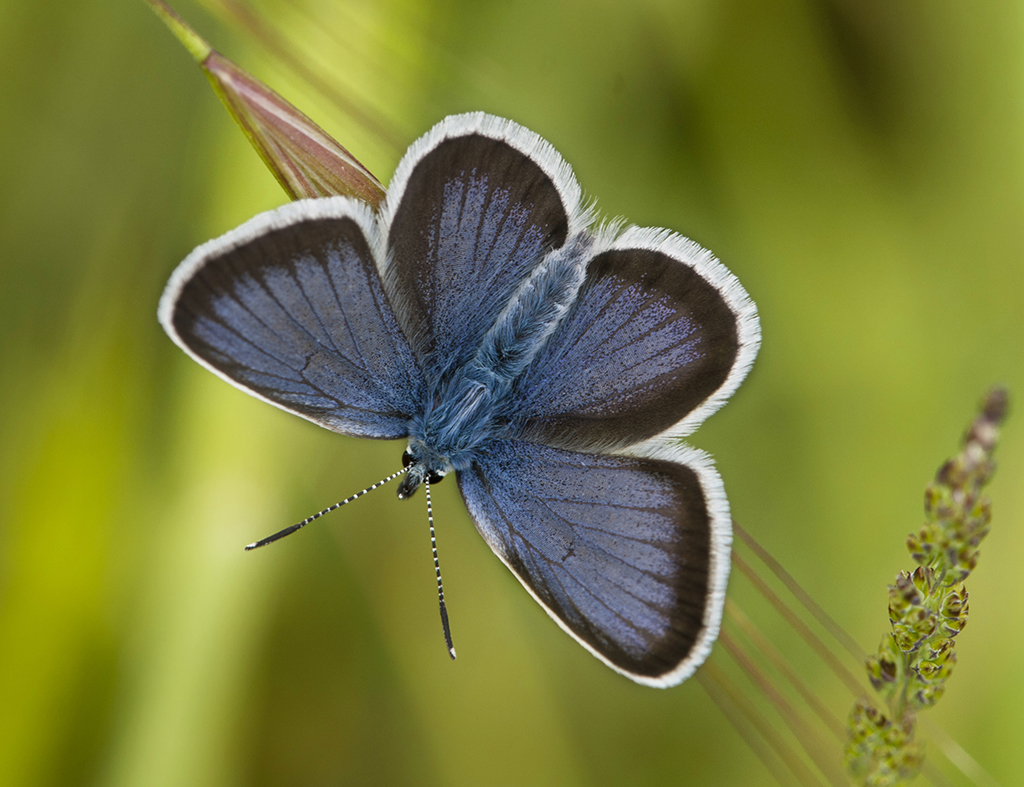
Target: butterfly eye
(434, 478)
(407, 459)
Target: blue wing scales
(628, 553)
(659, 336)
(472, 209)
(290, 307)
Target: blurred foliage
(858, 165)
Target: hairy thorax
(472, 404)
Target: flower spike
(304, 158)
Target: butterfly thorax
(473, 405)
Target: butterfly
(550, 363)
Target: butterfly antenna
(298, 526)
(437, 571)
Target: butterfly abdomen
(533, 313)
(473, 405)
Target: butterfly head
(420, 466)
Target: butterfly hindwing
(472, 209)
(628, 553)
(659, 336)
(290, 307)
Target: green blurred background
(859, 164)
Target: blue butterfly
(548, 362)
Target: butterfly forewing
(650, 342)
(627, 553)
(469, 215)
(290, 307)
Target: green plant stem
(805, 632)
(711, 673)
(247, 18)
(764, 646)
(190, 39)
(808, 739)
(817, 612)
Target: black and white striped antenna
(298, 526)
(437, 571)
(445, 627)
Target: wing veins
(340, 403)
(515, 248)
(315, 311)
(312, 337)
(261, 283)
(610, 557)
(348, 325)
(647, 359)
(483, 212)
(593, 324)
(218, 321)
(596, 598)
(665, 323)
(272, 356)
